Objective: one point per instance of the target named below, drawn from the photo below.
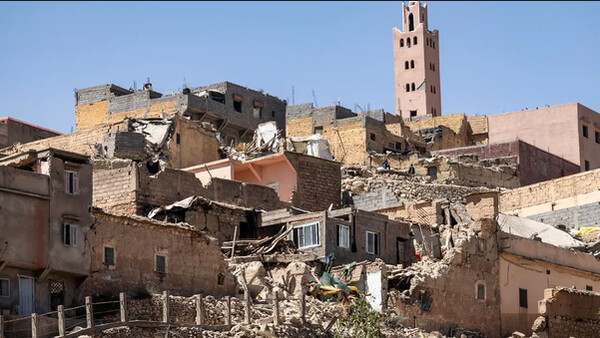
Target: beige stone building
(45, 201)
(416, 65)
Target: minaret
(416, 64)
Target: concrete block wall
(115, 188)
(124, 145)
(244, 194)
(376, 200)
(318, 182)
(587, 215)
(166, 187)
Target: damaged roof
(524, 227)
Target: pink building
(307, 182)
(416, 65)
(570, 131)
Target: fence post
(228, 305)
(247, 313)
(61, 320)
(200, 310)
(276, 309)
(1, 326)
(34, 325)
(166, 314)
(123, 306)
(89, 312)
(302, 309)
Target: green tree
(360, 321)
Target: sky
(494, 56)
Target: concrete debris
(546, 233)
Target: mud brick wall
(347, 141)
(299, 127)
(569, 313)
(193, 260)
(318, 182)
(550, 191)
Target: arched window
(401, 42)
(415, 40)
(427, 42)
(412, 63)
(407, 42)
(411, 23)
(405, 64)
(408, 87)
(412, 86)
(433, 42)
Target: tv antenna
(315, 98)
(293, 96)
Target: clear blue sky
(494, 56)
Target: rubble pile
(415, 188)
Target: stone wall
(115, 186)
(568, 313)
(194, 263)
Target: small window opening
(408, 87)
(412, 86)
(413, 113)
(178, 138)
(109, 256)
(161, 264)
(481, 291)
(523, 298)
(415, 41)
(589, 288)
(585, 131)
(373, 137)
(408, 42)
(318, 130)
(401, 42)
(237, 106)
(597, 136)
(587, 165)
(411, 22)
(405, 64)
(412, 63)
(220, 279)
(399, 145)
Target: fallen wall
(568, 313)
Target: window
(71, 182)
(411, 23)
(401, 42)
(523, 298)
(109, 256)
(585, 131)
(257, 112)
(408, 42)
(344, 236)
(272, 113)
(161, 264)
(57, 293)
(70, 234)
(412, 86)
(433, 44)
(408, 87)
(405, 64)
(412, 63)
(372, 245)
(373, 137)
(237, 106)
(427, 43)
(4, 287)
(589, 288)
(391, 145)
(413, 113)
(307, 235)
(480, 290)
(399, 145)
(178, 138)
(318, 130)
(587, 165)
(415, 41)
(597, 136)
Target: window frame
(523, 298)
(114, 256)
(156, 255)
(343, 230)
(74, 184)
(585, 131)
(7, 288)
(375, 242)
(235, 105)
(72, 234)
(586, 165)
(597, 136)
(477, 285)
(302, 226)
